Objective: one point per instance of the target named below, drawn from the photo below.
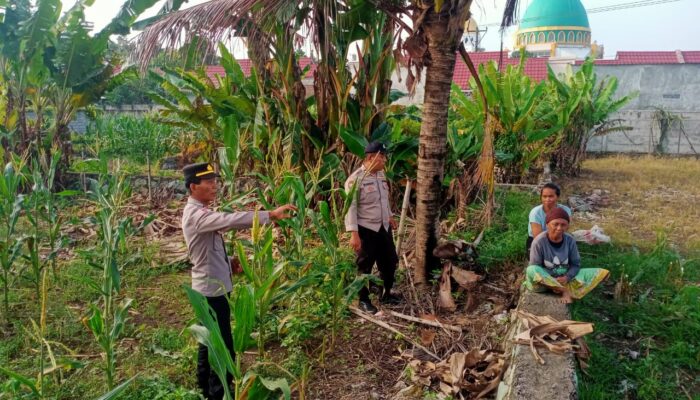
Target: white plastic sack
(594, 235)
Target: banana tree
(224, 110)
(586, 106)
(53, 61)
(526, 117)
(346, 103)
(25, 31)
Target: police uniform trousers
(207, 379)
(377, 247)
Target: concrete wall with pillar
(674, 88)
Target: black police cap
(199, 171)
(375, 147)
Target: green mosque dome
(559, 13)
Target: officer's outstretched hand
(282, 212)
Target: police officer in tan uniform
(370, 222)
(211, 267)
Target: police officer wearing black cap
(370, 222)
(211, 267)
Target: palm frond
(214, 21)
(509, 13)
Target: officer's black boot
(390, 299)
(366, 306)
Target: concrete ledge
(526, 379)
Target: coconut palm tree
(437, 31)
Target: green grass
(646, 344)
(503, 241)
(154, 346)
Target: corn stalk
(11, 207)
(108, 318)
(207, 332)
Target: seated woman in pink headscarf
(555, 263)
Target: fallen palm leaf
(556, 336)
(473, 374)
(426, 319)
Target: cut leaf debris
(556, 336)
(470, 375)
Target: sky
(665, 26)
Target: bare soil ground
(367, 362)
(648, 195)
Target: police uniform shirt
(202, 228)
(370, 204)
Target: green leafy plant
(133, 138)
(248, 384)
(11, 207)
(265, 275)
(525, 117)
(586, 106)
(50, 61)
(107, 318)
(43, 215)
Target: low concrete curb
(526, 379)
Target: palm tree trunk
(443, 32)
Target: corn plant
(247, 384)
(42, 213)
(11, 204)
(289, 188)
(138, 139)
(301, 191)
(265, 275)
(330, 280)
(107, 318)
(336, 274)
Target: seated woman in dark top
(555, 263)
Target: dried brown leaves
(556, 336)
(462, 375)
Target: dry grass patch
(648, 195)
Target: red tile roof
(651, 57)
(247, 65)
(691, 57)
(535, 68)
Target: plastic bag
(594, 235)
